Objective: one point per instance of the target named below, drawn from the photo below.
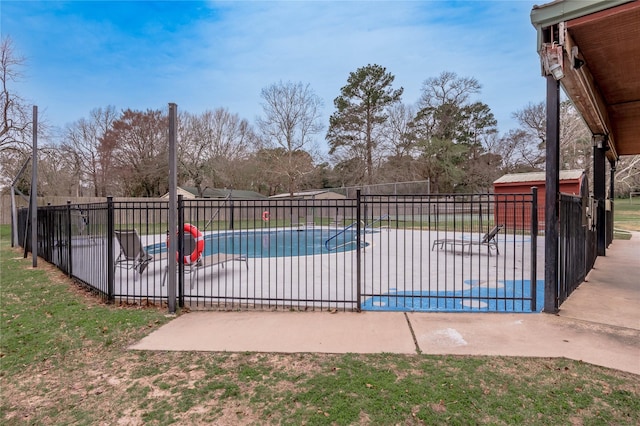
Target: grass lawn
(626, 215)
(64, 360)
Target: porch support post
(599, 192)
(612, 179)
(552, 186)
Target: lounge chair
(488, 240)
(204, 261)
(132, 253)
(212, 260)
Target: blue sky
(205, 55)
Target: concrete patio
(598, 324)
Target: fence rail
(372, 252)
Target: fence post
(534, 248)
(599, 193)
(111, 266)
(358, 252)
(33, 191)
(552, 193)
(610, 224)
(173, 205)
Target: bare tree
(512, 151)
(138, 142)
(83, 144)
(291, 119)
(16, 118)
(447, 89)
(449, 130)
(11, 160)
(270, 162)
(399, 137)
(575, 145)
(210, 145)
(399, 145)
(576, 148)
(446, 113)
(56, 174)
(627, 177)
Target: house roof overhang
(596, 43)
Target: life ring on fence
(197, 250)
(265, 216)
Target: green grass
(626, 215)
(64, 360)
(42, 321)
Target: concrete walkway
(598, 324)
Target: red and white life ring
(199, 248)
(265, 216)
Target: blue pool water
(282, 243)
(513, 296)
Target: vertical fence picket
(358, 251)
(111, 264)
(534, 248)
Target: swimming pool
(276, 243)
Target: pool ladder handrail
(215, 214)
(326, 243)
(364, 227)
(380, 219)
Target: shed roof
(538, 177)
(236, 194)
(308, 194)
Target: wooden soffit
(599, 44)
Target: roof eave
(543, 16)
(578, 82)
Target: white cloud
(221, 54)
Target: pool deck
(598, 324)
(421, 278)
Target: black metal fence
(577, 245)
(435, 255)
(421, 252)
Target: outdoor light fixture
(552, 61)
(556, 71)
(600, 141)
